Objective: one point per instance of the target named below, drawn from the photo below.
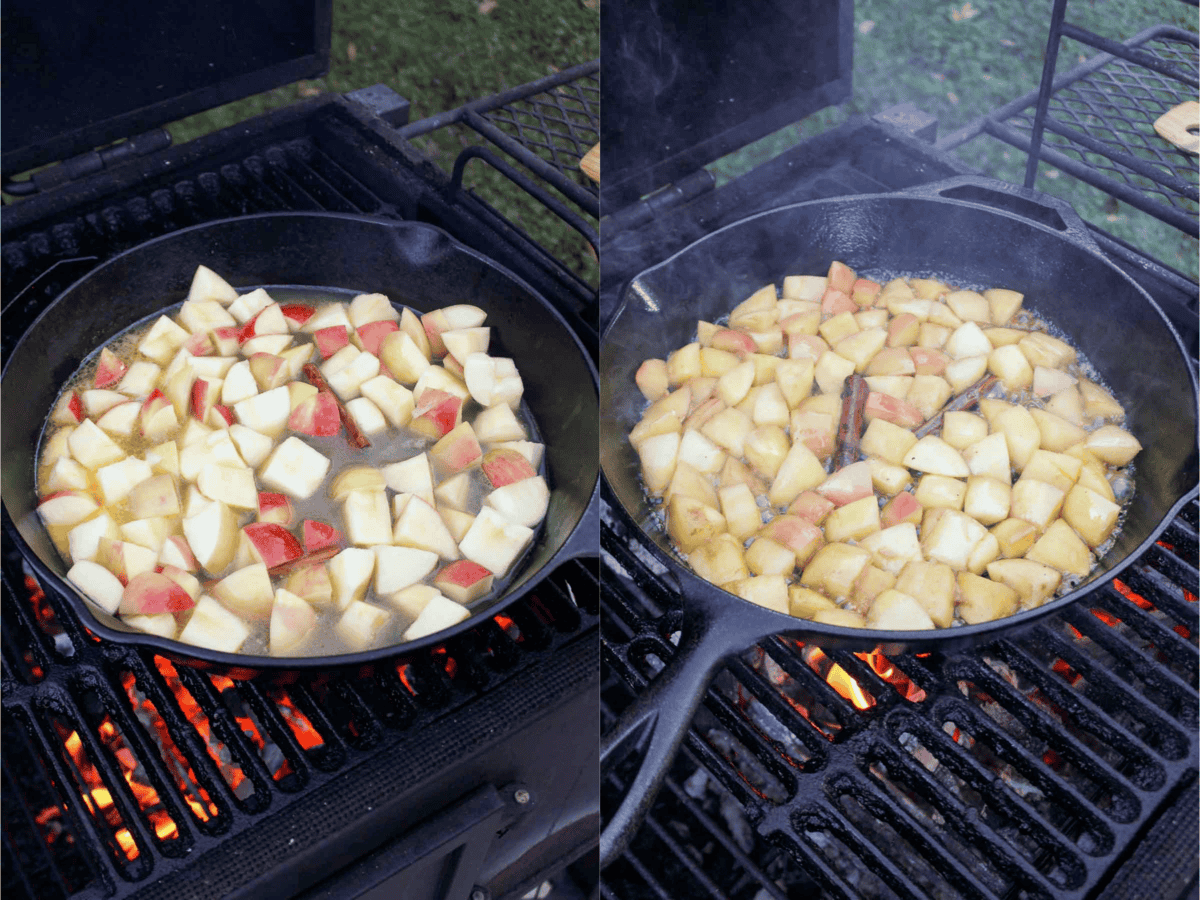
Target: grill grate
(121, 750)
(1025, 769)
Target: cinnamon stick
(308, 559)
(850, 425)
(357, 439)
(965, 400)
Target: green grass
(960, 68)
(440, 55)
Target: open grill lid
(681, 91)
(77, 76)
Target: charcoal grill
(1058, 764)
(469, 771)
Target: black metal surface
(773, 794)
(75, 80)
(1099, 118)
(681, 92)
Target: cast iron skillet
(412, 263)
(970, 231)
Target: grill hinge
(90, 163)
(663, 201)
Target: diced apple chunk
(398, 567)
(247, 592)
(894, 610)
(420, 526)
(493, 542)
(214, 627)
(350, 572)
(361, 624)
(98, 584)
(522, 502)
(295, 469)
(439, 614)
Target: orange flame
(249, 727)
(887, 670)
(193, 712)
(197, 800)
(96, 797)
(839, 679)
(402, 671)
(146, 796)
(302, 727)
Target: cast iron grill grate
(1114, 109)
(559, 125)
(1025, 769)
(118, 762)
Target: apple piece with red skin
(890, 409)
(68, 410)
(458, 450)
(904, 507)
(929, 361)
(67, 507)
(371, 335)
(464, 581)
(227, 339)
(865, 292)
(799, 535)
(185, 580)
(221, 416)
(651, 378)
(274, 509)
(125, 559)
(840, 277)
(506, 467)
(296, 314)
(523, 502)
(450, 364)
(109, 370)
(158, 419)
(449, 318)
(903, 330)
(812, 506)
(800, 345)
(199, 344)
(853, 482)
(437, 413)
(317, 416)
(733, 341)
(205, 394)
(836, 301)
(273, 544)
(177, 552)
(318, 535)
(330, 340)
(153, 592)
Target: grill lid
(683, 88)
(76, 77)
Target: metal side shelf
(1096, 121)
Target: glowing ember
(447, 661)
(131, 770)
(1063, 668)
(268, 750)
(1110, 620)
(194, 794)
(888, 671)
(97, 799)
(192, 711)
(1129, 594)
(302, 727)
(402, 671)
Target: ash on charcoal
(746, 764)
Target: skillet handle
(658, 720)
(584, 541)
(1016, 199)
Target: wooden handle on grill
(1173, 126)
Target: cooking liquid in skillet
(388, 446)
(1121, 478)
